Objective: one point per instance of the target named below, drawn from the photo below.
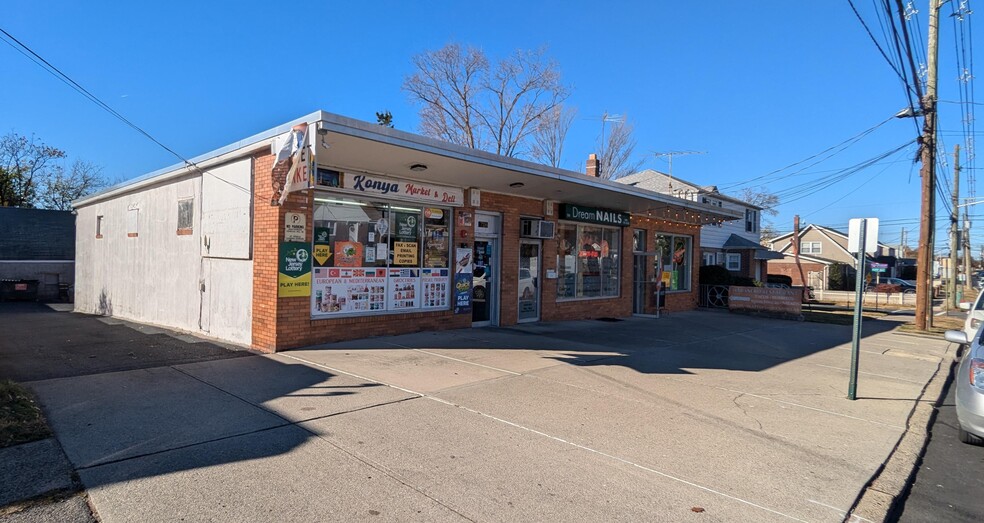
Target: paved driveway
(697, 416)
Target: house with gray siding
(735, 245)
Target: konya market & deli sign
(410, 190)
(581, 213)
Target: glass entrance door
(529, 281)
(485, 284)
(640, 285)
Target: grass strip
(21, 419)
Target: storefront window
(673, 254)
(587, 261)
(376, 257)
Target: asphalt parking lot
(697, 416)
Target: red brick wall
(790, 269)
(282, 323)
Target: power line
(23, 49)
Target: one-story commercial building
(377, 231)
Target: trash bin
(19, 290)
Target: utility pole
(966, 251)
(924, 281)
(951, 284)
(796, 257)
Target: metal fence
(713, 297)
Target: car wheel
(970, 439)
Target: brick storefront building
(393, 233)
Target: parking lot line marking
(556, 438)
(468, 362)
(793, 404)
(616, 458)
(872, 374)
(841, 512)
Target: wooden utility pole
(951, 284)
(966, 251)
(796, 257)
(924, 280)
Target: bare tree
(761, 197)
(550, 134)
(60, 190)
(616, 161)
(24, 163)
(466, 101)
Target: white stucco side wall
(153, 274)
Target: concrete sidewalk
(702, 416)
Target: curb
(887, 488)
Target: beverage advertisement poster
(404, 289)
(463, 280)
(434, 288)
(294, 275)
(348, 254)
(342, 290)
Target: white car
(969, 383)
(975, 315)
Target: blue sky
(757, 85)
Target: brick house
(820, 249)
(389, 233)
(735, 245)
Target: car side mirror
(956, 337)
(964, 306)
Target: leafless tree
(24, 164)
(550, 134)
(616, 160)
(59, 190)
(467, 101)
(760, 197)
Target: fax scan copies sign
(870, 235)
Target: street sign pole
(852, 388)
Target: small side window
(186, 214)
(734, 262)
(99, 226)
(132, 222)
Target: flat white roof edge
(396, 137)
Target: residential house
(736, 245)
(820, 249)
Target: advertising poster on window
(462, 280)
(404, 289)
(405, 253)
(434, 288)
(294, 278)
(341, 290)
(348, 254)
(406, 226)
(322, 246)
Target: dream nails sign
(406, 190)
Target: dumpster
(19, 290)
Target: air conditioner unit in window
(530, 228)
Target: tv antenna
(670, 154)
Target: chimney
(594, 166)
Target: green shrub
(742, 281)
(714, 275)
(779, 279)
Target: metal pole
(852, 387)
(951, 284)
